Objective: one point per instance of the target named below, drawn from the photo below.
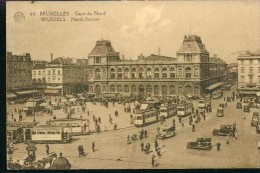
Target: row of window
(164, 89)
(250, 70)
(250, 61)
(141, 73)
(250, 79)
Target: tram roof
(47, 127)
(24, 124)
(70, 119)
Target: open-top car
(167, 132)
(225, 130)
(201, 143)
(239, 105)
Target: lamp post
(33, 107)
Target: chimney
(159, 51)
(51, 57)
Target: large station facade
(193, 72)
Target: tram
(150, 104)
(51, 134)
(167, 110)
(76, 124)
(146, 117)
(184, 109)
(217, 94)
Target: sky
(225, 27)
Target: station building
(193, 72)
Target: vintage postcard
(132, 85)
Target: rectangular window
(250, 69)
(242, 61)
(34, 72)
(242, 70)
(250, 61)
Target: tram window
(139, 117)
(78, 126)
(50, 132)
(58, 132)
(41, 132)
(34, 132)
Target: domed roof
(61, 163)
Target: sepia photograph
(132, 85)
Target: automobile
(246, 108)
(225, 130)
(239, 105)
(167, 132)
(201, 143)
(254, 121)
(256, 114)
(220, 112)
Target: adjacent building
(39, 74)
(192, 72)
(19, 73)
(249, 73)
(66, 76)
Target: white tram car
(167, 110)
(184, 109)
(76, 124)
(143, 118)
(51, 134)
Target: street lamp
(33, 107)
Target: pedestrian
(145, 133)
(12, 116)
(179, 119)
(236, 134)
(218, 146)
(226, 104)
(128, 140)
(142, 146)
(115, 126)
(227, 140)
(85, 127)
(14, 120)
(15, 110)
(153, 160)
(193, 127)
(47, 149)
(204, 117)
(173, 122)
(93, 147)
(156, 145)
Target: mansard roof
(154, 57)
(103, 48)
(192, 44)
(39, 66)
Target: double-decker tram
(51, 134)
(78, 126)
(184, 109)
(146, 117)
(167, 110)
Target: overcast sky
(136, 27)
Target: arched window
(112, 88)
(196, 90)
(119, 73)
(97, 73)
(164, 72)
(126, 89)
(133, 89)
(188, 72)
(196, 72)
(180, 72)
(180, 90)
(126, 73)
(97, 89)
(148, 73)
(164, 90)
(141, 73)
(148, 90)
(133, 73)
(172, 72)
(119, 88)
(172, 89)
(156, 73)
(156, 90)
(112, 74)
(104, 73)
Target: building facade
(249, 73)
(66, 76)
(188, 74)
(18, 72)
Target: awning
(211, 87)
(247, 92)
(10, 95)
(27, 92)
(51, 91)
